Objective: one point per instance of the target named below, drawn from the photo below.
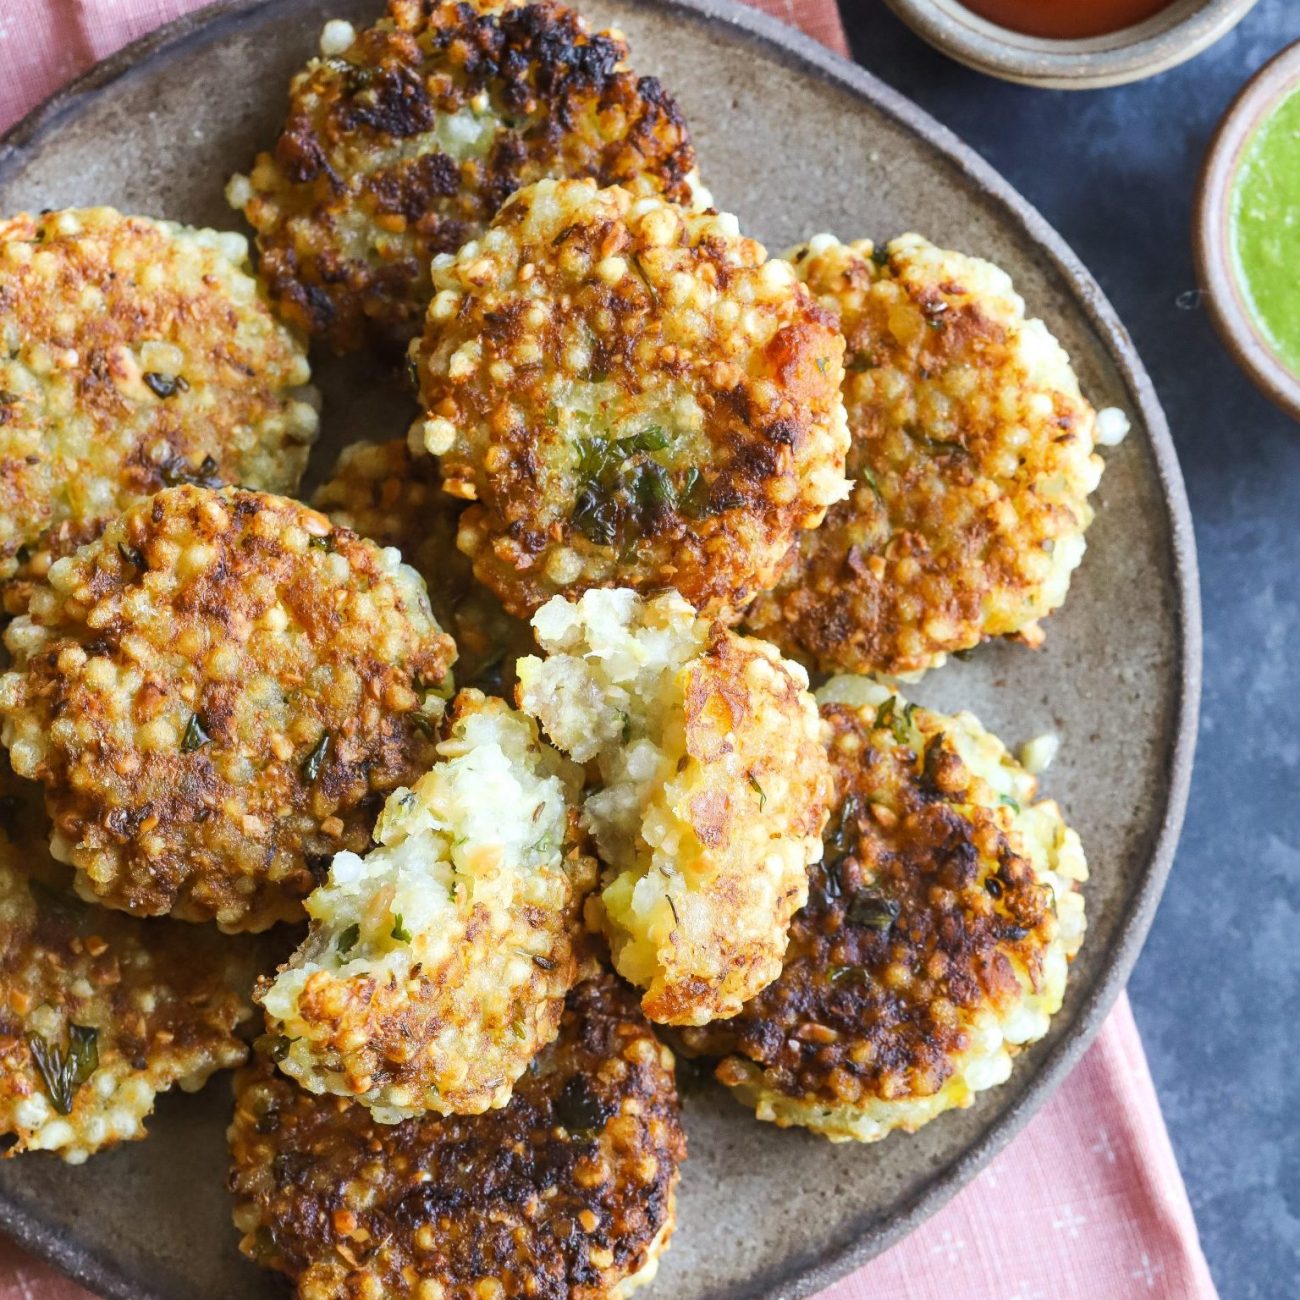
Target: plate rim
(807, 54)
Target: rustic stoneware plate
(795, 141)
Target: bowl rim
(1156, 45)
(1216, 267)
(802, 51)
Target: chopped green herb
(595, 516)
(880, 256)
(757, 789)
(619, 502)
(887, 716)
(645, 279)
(264, 1247)
(165, 385)
(693, 499)
(936, 446)
(1009, 802)
(399, 931)
(276, 1046)
(842, 841)
(821, 364)
(315, 761)
(597, 456)
(935, 313)
(672, 907)
(872, 911)
(325, 543)
(837, 973)
(652, 489)
(651, 438)
(63, 1072)
(627, 727)
(195, 736)
(870, 480)
(964, 655)
(347, 940)
(130, 555)
(177, 471)
(884, 715)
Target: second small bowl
(1183, 29)
(1212, 238)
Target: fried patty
(216, 695)
(384, 492)
(566, 1194)
(971, 464)
(437, 965)
(403, 139)
(133, 354)
(632, 395)
(99, 1012)
(936, 939)
(712, 793)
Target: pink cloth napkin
(1086, 1204)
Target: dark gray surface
(1217, 990)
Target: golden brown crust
(971, 466)
(384, 492)
(921, 915)
(405, 144)
(563, 1195)
(437, 966)
(632, 395)
(711, 787)
(159, 1003)
(745, 713)
(133, 353)
(215, 694)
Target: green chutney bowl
(1217, 267)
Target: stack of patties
(515, 724)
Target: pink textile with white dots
(1086, 1204)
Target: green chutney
(1266, 228)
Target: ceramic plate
(795, 141)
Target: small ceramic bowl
(1168, 38)
(1216, 266)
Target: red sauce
(1066, 19)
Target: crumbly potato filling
(712, 791)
